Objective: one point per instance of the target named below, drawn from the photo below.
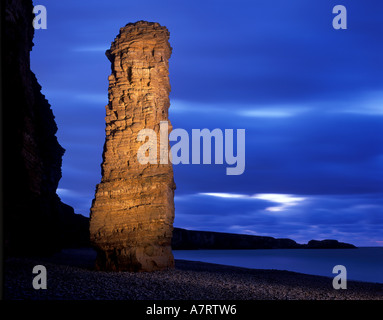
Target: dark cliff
(190, 239)
(34, 216)
(328, 244)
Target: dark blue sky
(310, 98)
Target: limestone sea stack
(132, 214)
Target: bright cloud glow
(284, 200)
(225, 195)
(66, 192)
(273, 112)
(245, 110)
(369, 104)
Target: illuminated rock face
(133, 211)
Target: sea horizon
(362, 264)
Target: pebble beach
(71, 276)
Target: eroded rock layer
(133, 210)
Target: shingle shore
(70, 276)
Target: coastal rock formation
(192, 239)
(32, 156)
(133, 210)
(328, 244)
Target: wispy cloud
(87, 49)
(225, 195)
(244, 110)
(299, 217)
(273, 112)
(370, 103)
(62, 192)
(283, 200)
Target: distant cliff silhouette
(189, 239)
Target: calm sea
(363, 264)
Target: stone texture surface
(31, 154)
(133, 210)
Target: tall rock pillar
(133, 210)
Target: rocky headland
(192, 239)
